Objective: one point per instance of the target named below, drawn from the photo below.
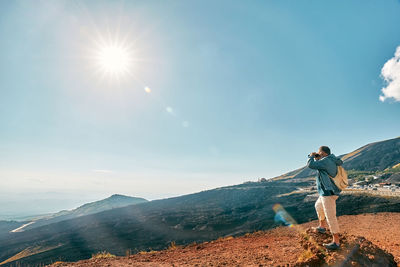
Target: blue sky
(239, 90)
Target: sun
(113, 60)
(114, 56)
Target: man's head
(324, 151)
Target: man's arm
(315, 164)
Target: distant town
(374, 184)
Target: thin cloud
(102, 171)
(390, 73)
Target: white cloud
(391, 74)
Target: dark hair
(326, 149)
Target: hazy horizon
(154, 99)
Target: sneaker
(331, 246)
(321, 230)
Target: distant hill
(206, 215)
(112, 202)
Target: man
(326, 163)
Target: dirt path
(279, 246)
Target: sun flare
(114, 59)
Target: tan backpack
(340, 180)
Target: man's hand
(313, 154)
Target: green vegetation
(225, 238)
(359, 175)
(173, 246)
(306, 255)
(393, 169)
(147, 252)
(102, 254)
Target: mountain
(282, 246)
(112, 202)
(203, 216)
(373, 157)
(155, 225)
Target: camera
(317, 155)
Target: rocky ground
(367, 240)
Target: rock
(354, 251)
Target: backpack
(340, 180)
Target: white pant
(326, 209)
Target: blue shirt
(326, 165)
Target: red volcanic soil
(367, 240)
(382, 229)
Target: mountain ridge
(390, 148)
(206, 215)
(112, 202)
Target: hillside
(203, 216)
(368, 244)
(112, 202)
(7, 226)
(373, 157)
(192, 218)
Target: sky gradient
(239, 90)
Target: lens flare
(281, 215)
